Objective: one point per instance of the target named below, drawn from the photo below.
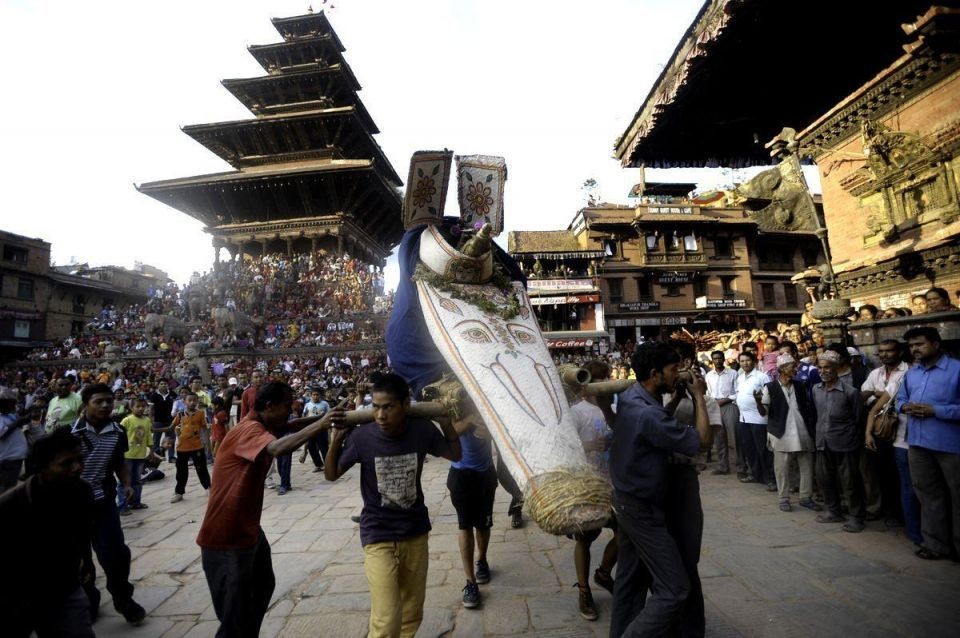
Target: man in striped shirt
(104, 443)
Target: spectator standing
(930, 397)
(249, 396)
(189, 425)
(138, 428)
(753, 425)
(162, 400)
(41, 590)
(64, 409)
(233, 548)
(721, 386)
(104, 444)
(13, 443)
(394, 523)
(318, 446)
(838, 439)
(791, 426)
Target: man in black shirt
(162, 401)
(41, 589)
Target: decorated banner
(480, 180)
(426, 188)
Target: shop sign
(579, 342)
(671, 278)
(560, 284)
(549, 301)
(671, 210)
(704, 302)
(639, 306)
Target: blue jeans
(135, 471)
(908, 499)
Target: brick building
(878, 112)
(670, 263)
(40, 303)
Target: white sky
(94, 93)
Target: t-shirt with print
(139, 436)
(188, 440)
(235, 504)
(390, 469)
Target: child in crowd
(189, 425)
(139, 428)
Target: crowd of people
(310, 299)
(857, 442)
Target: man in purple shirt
(930, 397)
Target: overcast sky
(95, 93)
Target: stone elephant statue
(193, 354)
(167, 325)
(232, 322)
(111, 362)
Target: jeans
(183, 469)
(68, 618)
(397, 576)
(648, 558)
(936, 480)
(840, 471)
(112, 554)
(318, 446)
(241, 583)
(758, 457)
(908, 499)
(284, 464)
(135, 471)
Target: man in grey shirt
(839, 444)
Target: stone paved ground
(765, 573)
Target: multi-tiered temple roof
(307, 168)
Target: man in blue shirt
(930, 397)
(645, 437)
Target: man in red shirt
(234, 550)
(250, 394)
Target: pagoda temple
(308, 173)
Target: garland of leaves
(498, 280)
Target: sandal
(928, 554)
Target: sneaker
(319, 468)
(785, 506)
(771, 487)
(355, 518)
(471, 595)
(482, 572)
(132, 612)
(587, 607)
(719, 472)
(830, 517)
(282, 490)
(747, 478)
(176, 498)
(139, 506)
(811, 505)
(125, 512)
(854, 526)
(516, 519)
(603, 578)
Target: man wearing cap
(791, 428)
(839, 441)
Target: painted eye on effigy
(475, 332)
(522, 335)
